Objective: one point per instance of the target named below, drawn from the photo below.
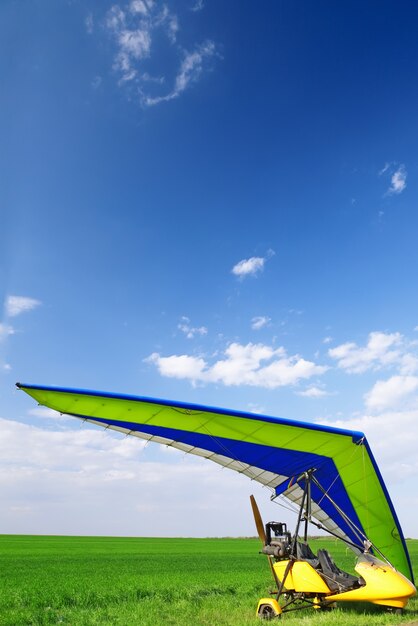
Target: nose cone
(384, 584)
(404, 587)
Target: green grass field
(126, 581)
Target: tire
(267, 612)
(394, 610)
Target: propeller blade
(258, 521)
(262, 534)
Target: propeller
(258, 521)
(262, 534)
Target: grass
(77, 581)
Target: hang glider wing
(350, 498)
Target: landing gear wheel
(267, 612)
(394, 610)
(268, 608)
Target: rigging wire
(288, 506)
(357, 531)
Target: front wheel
(394, 610)
(267, 611)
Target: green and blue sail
(271, 451)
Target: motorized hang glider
(330, 474)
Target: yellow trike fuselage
(379, 582)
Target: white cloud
(140, 6)
(191, 66)
(15, 305)
(408, 364)
(260, 321)
(313, 392)
(327, 340)
(255, 408)
(5, 331)
(89, 23)
(170, 21)
(190, 70)
(390, 393)
(191, 331)
(86, 446)
(255, 365)
(398, 176)
(135, 43)
(179, 366)
(383, 350)
(249, 267)
(198, 6)
(252, 266)
(92, 481)
(376, 354)
(45, 413)
(134, 29)
(115, 19)
(384, 169)
(159, 80)
(398, 181)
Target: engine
(278, 540)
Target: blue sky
(210, 202)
